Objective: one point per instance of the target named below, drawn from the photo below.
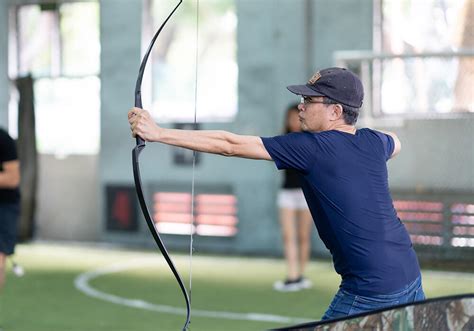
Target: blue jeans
(345, 303)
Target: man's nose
(301, 107)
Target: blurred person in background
(345, 182)
(9, 199)
(295, 220)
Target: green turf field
(45, 299)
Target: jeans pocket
(419, 294)
(331, 311)
(340, 305)
(363, 304)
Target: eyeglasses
(305, 100)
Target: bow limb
(140, 145)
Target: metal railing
(427, 83)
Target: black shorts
(9, 214)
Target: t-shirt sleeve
(387, 142)
(291, 151)
(7, 148)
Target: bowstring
(192, 225)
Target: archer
(345, 182)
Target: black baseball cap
(338, 84)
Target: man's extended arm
(398, 145)
(215, 142)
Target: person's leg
(305, 223)
(8, 232)
(288, 229)
(3, 266)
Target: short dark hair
(350, 114)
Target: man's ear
(336, 112)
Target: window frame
(55, 72)
(149, 82)
(369, 64)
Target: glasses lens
(306, 100)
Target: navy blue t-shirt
(8, 153)
(345, 182)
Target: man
(345, 182)
(9, 199)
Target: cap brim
(304, 90)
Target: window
(58, 44)
(463, 225)
(423, 220)
(215, 215)
(174, 62)
(438, 78)
(438, 223)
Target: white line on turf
(81, 282)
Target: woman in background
(295, 219)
